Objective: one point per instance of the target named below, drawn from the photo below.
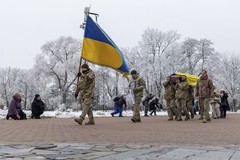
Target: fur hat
(17, 95)
(85, 66)
(133, 72)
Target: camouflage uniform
(181, 96)
(169, 96)
(189, 101)
(140, 84)
(204, 90)
(87, 88)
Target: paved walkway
(117, 130)
(116, 152)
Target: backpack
(116, 99)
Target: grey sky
(25, 25)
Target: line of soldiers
(182, 92)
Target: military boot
(91, 122)
(201, 118)
(179, 118)
(209, 119)
(187, 117)
(133, 119)
(192, 116)
(204, 120)
(138, 120)
(78, 120)
(176, 118)
(170, 119)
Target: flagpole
(79, 70)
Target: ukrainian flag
(99, 48)
(191, 79)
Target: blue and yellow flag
(191, 79)
(99, 48)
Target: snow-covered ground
(71, 114)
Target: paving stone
(213, 155)
(236, 155)
(7, 150)
(102, 149)
(21, 146)
(14, 158)
(34, 158)
(79, 151)
(121, 149)
(126, 155)
(181, 153)
(119, 146)
(44, 146)
(44, 152)
(82, 147)
(56, 156)
(134, 146)
(97, 155)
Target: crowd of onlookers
(15, 110)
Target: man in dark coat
(15, 109)
(146, 101)
(38, 107)
(119, 106)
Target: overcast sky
(25, 25)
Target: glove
(76, 95)
(135, 90)
(79, 74)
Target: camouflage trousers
(189, 107)
(204, 107)
(87, 109)
(136, 107)
(171, 108)
(181, 105)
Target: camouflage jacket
(182, 90)
(217, 95)
(87, 84)
(139, 84)
(190, 93)
(204, 88)
(169, 90)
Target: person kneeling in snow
(38, 107)
(119, 101)
(15, 110)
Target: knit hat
(85, 66)
(133, 72)
(17, 95)
(37, 95)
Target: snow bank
(70, 114)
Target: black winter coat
(37, 106)
(153, 103)
(121, 102)
(224, 102)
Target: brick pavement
(116, 130)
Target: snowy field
(71, 114)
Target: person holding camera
(224, 103)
